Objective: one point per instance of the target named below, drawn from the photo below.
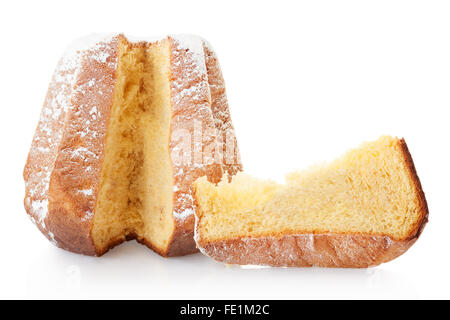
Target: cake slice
(363, 209)
(126, 127)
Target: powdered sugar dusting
(52, 238)
(186, 205)
(195, 46)
(40, 208)
(57, 107)
(305, 250)
(49, 133)
(211, 106)
(87, 216)
(221, 112)
(191, 97)
(86, 192)
(183, 214)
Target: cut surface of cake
(126, 127)
(363, 209)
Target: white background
(305, 80)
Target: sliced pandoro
(126, 127)
(363, 209)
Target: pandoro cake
(126, 127)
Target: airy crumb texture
(134, 198)
(372, 190)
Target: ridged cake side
(65, 157)
(230, 156)
(197, 107)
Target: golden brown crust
(81, 94)
(222, 118)
(80, 157)
(423, 206)
(320, 250)
(191, 103)
(206, 105)
(182, 241)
